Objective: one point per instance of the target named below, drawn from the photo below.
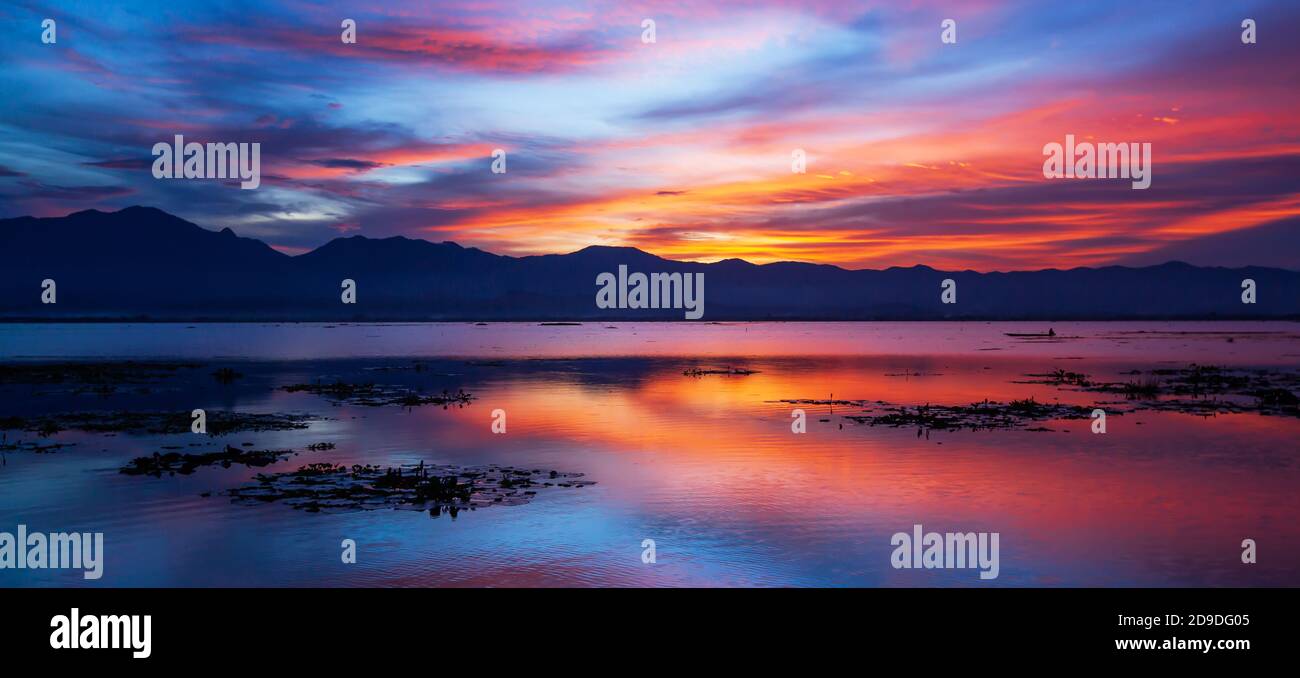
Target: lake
(686, 431)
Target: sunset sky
(918, 152)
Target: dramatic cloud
(917, 152)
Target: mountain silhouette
(143, 263)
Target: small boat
(1049, 333)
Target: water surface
(706, 466)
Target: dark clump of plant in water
(226, 375)
(29, 446)
(1203, 390)
(1277, 396)
(90, 374)
(986, 415)
(447, 490)
(218, 423)
(373, 395)
(1059, 377)
(733, 371)
(1148, 387)
(1279, 401)
(172, 463)
(319, 487)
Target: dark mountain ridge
(142, 263)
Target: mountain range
(142, 263)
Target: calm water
(706, 466)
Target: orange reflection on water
(1159, 490)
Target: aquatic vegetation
(29, 446)
(226, 375)
(986, 415)
(1277, 397)
(423, 487)
(699, 372)
(1277, 401)
(1202, 407)
(218, 423)
(416, 366)
(172, 463)
(372, 395)
(1140, 388)
(1197, 389)
(100, 378)
(814, 401)
(1058, 377)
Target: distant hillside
(142, 263)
